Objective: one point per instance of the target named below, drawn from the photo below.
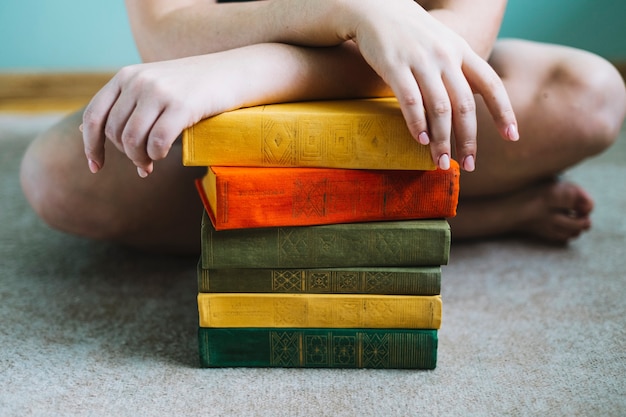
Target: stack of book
(323, 237)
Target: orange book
(244, 197)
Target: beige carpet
(88, 329)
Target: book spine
(319, 310)
(265, 197)
(364, 134)
(400, 281)
(373, 244)
(318, 348)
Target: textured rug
(90, 329)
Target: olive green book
(425, 280)
(318, 348)
(371, 244)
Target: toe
(570, 199)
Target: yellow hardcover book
(236, 310)
(357, 134)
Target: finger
(439, 116)
(136, 133)
(486, 82)
(94, 119)
(409, 97)
(165, 131)
(119, 115)
(464, 121)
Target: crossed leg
(160, 213)
(570, 105)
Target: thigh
(562, 98)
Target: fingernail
(80, 127)
(142, 172)
(469, 163)
(423, 138)
(444, 162)
(512, 133)
(93, 166)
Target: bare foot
(555, 211)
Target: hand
(434, 74)
(145, 107)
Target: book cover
(363, 133)
(245, 197)
(375, 244)
(424, 280)
(319, 310)
(318, 348)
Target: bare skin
(423, 57)
(555, 212)
(569, 106)
(570, 115)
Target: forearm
(335, 69)
(430, 54)
(275, 72)
(143, 109)
(165, 29)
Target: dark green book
(318, 348)
(375, 244)
(425, 280)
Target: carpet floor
(90, 329)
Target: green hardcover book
(374, 244)
(424, 280)
(318, 348)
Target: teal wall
(93, 35)
(65, 35)
(595, 25)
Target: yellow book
(357, 134)
(237, 310)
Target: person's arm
(170, 29)
(144, 107)
(431, 70)
(166, 29)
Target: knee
(599, 101)
(43, 184)
(50, 180)
(37, 182)
(608, 93)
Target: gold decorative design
(287, 281)
(348, 281)
(285, 348)
(311, 138)
(317, 350)
(310, 199)
(344, 350)
(278, 143)
(376, 282)
(375, 350)
(319, 281)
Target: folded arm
(329, 48)
(165, 29)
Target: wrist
(311, 22)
